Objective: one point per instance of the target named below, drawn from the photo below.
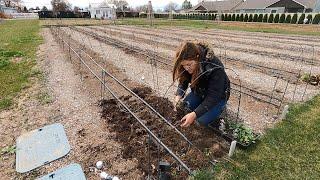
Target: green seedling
(305, 77)
(8, 150)
(242, 133)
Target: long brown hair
(186, 51)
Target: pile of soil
(137, 143)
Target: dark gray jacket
(213, 85)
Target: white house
(103, 11)
(7, 10)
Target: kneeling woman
(197, 66)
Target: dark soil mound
(136, 142)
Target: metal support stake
(102, 84)
(149, 157)
(158, 153)
(62, 43)
(80, 68)
(69, 51)
(239, 103)
(104, 81)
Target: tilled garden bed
(207, 145)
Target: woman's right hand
(176, 101)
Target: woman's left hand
(188, 119)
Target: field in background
(294, 29)
(240, 26)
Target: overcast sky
(157, 4)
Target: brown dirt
(131, 133)
(126, 134)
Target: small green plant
(242, 133)
(305, 77)
(202, 175)
(8, 150)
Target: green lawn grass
(312, 30)
(289, 151)
(19, 40)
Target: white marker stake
(232, 148)
(284, 112)
(104, 175)
(115, 178)
(99, 164)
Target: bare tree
(142, 8)
(186, 4)
(76, 9)
(159, 10)
(60, 5)
(44, 8)
(171, 7)
(12, 3)
(122, 5)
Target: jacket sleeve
(215, 92)
(182, 87)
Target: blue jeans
(193, 101)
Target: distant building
(103, 11)
(278, 6)
(224, 6)
(257, 6)
(254, 6)
(317, 7)
(7, 10)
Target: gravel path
(74, 107)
